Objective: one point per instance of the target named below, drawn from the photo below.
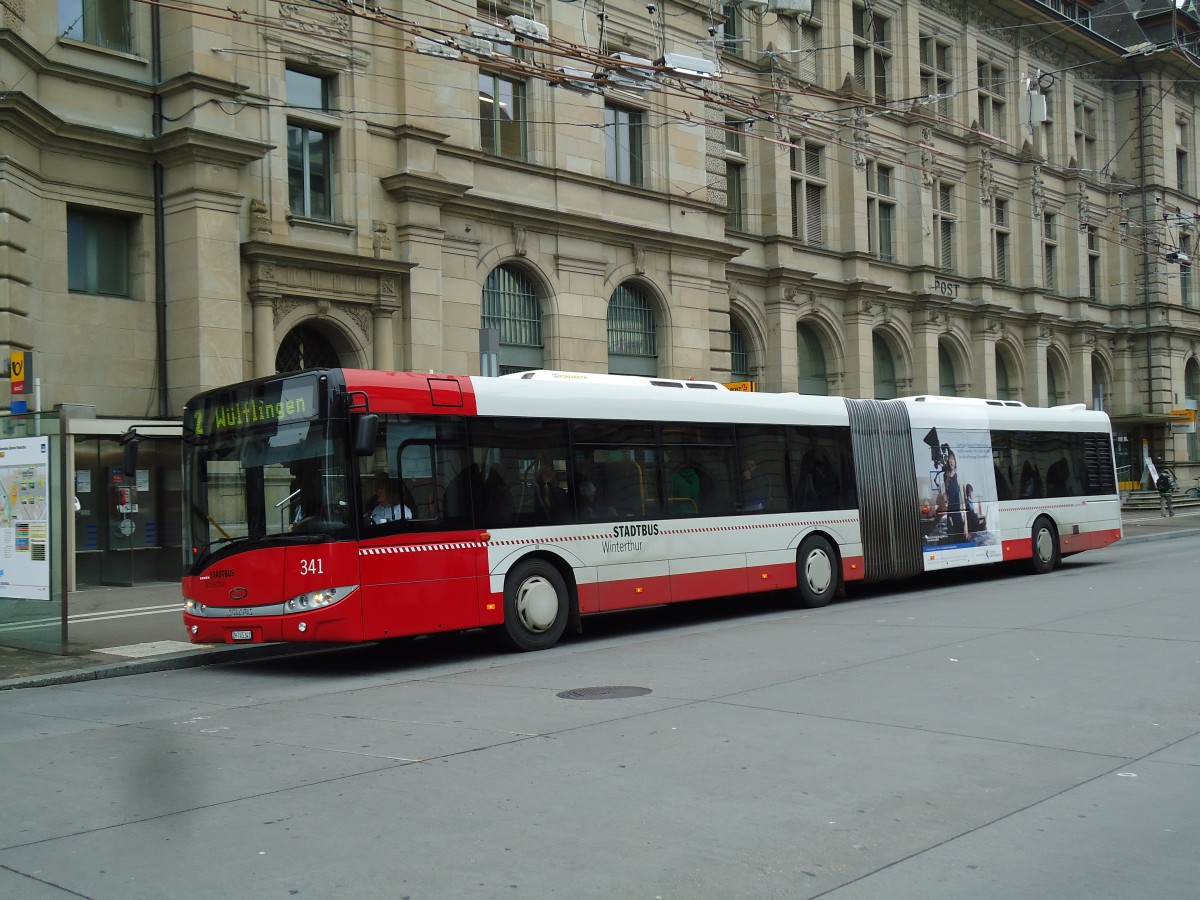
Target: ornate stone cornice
(423, 188)
(258, 253)
(197, 145)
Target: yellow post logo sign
(740, 385)
(17, 370)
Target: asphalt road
(982, 736)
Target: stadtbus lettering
(639, 530)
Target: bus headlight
(193, 607)
(318, 599)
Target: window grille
(739, 355)
(305, 348)
(632, 333)
(511, 306)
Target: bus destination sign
(278, 402)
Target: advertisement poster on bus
(25, 518)
(956, 490)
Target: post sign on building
(1183, 421)
(18, 367)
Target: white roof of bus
(600, 396)
(1006, 414)
(584, 395)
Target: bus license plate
(244, 635)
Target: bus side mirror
(366, 429)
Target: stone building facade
(830, 196)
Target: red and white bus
(345, 505)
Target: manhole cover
(609, 692)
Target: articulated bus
(339, 505)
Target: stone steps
(1150, 500)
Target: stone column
(1082, 346)
(984, 335)
(859, 379)
(928, 324)
(1037, 339)
(782, 359)
(383, 337)
(263, 306)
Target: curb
(1128, 538)
(185, 660)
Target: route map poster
(25, 518)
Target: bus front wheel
(1045, 547)
(817, 571)
(535, 605)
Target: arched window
(304, 347)
(1003, 381)
(811, 362)
(739, 353)
(1191, 390)
(510, 305)
(1053, 398)
(1100, 387)
(632, 333)
(947, 382)
(885, 369)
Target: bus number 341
(311, 567)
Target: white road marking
(102, 616)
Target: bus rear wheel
(535, 605)
(1045, 547)
(817, 566)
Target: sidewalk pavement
(82, 662)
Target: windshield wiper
(282, 537)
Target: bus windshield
(253, 477)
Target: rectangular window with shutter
(808, 193)
(881, 212)
(872, 52)
(1000, 240)
(943, 227)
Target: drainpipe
(1141, 131)
(160, 231)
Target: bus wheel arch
(539, 601)
(1046, 552)
(818, 571)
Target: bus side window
(625, 487)
(1058, 479)
(716, 466)
(821, 466)
(1004, 490)
(817, 485)
(763, 468)
(1031, 482)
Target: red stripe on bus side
(655, 590)
(1089, 540)
(1022, 548)
(700, 585)
(853, 568)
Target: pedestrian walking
(1166, 488)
